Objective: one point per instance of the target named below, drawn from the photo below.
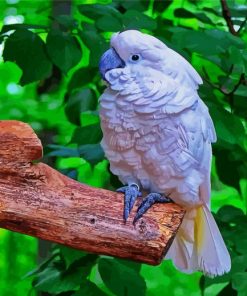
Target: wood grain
(39, 201)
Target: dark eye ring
(135, 57)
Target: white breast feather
(156, 128)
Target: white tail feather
(207, 253)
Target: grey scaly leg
(147, 203)
(131, 192)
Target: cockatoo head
(144, 56)
(133, 50)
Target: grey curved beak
(110, 60)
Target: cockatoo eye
(135, 57)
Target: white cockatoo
(157, 135)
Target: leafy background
(49, 78)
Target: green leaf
(121, 277)
(71, 173)
(161, 6)
(81, 77)
(228, 291)
(47, 278)
(1, 39)
(236, 58)
(95, 43)
(140, 5)
(63, 49)
(239, 263)
(238, 11)
(229, 127)
(207, 43)
(242, 246)
(239, 281)
(227, 167)
(184, 13)
(7, 28)
(196, 41)
(213, 10)
(70, 163)
(95, 11)
(62, 151)
(93, 153)
(80, 101)
(57, 279)
(66, 21)
(109, 23)
(27, 50)
(41, 267)
(89, 289)
(134, 19)
(70, 255)
(90, 134)
(229, 214)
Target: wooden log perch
(39, 201)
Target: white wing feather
(158, 133)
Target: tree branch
(39, 201)
(227, 16)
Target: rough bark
(39, 201)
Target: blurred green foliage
(49, 78)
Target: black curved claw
(147, 203)
(131, 192)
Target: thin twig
(227, 16)
(230, 94)
(207, 79)
(241, 80)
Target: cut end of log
(18, 142)
(39, 201)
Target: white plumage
(158, 134)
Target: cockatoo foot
(131, 192)
(147, 203)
